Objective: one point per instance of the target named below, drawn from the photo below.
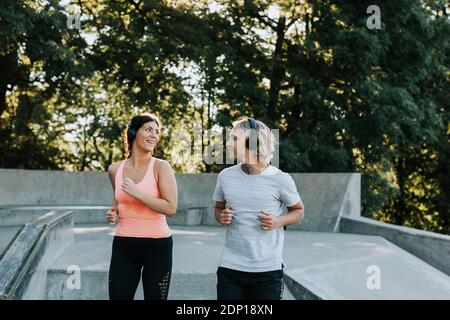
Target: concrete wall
(32, 187)
(326, 196)
(431, 247)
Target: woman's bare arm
(112, 170)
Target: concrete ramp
(350, 266)
(319, 266)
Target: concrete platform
(319, 265)
(196, 255)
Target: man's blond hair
(266, 138)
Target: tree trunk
(8, 75)
(277, 73)
(3, 89)
(400, 205)
(23, 115)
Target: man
(249, 201)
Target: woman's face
(147, 136)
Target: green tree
(345, 98)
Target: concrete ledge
(18, 215)
(7, 236)
(187, 217)
(298, 291)
(431, 247)
(24, 262)
(94, 286)
(208, 218)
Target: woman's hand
(129, 186)
(112, 215)
(268, 221)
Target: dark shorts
(240, 285)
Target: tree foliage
(346, 98)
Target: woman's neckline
(146, 171)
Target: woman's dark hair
(130, 132)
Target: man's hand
(268, 221)
(225, 216)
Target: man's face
(236, 144)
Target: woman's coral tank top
(135, 218)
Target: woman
(249, 200)
(145, 192)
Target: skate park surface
(53, 231)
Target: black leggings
(129, 257)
